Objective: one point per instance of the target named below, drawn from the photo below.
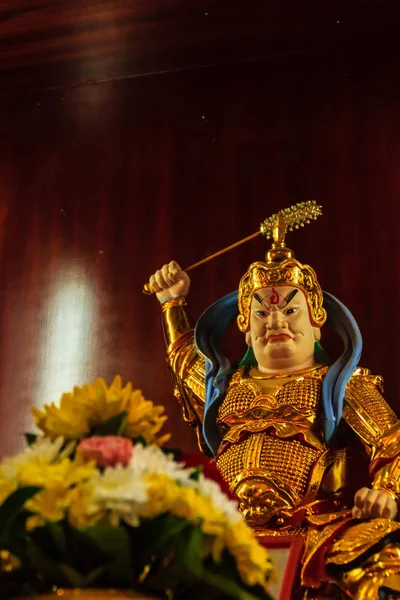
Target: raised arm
(171, 285)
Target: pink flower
(107, 451)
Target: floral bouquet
(96, 502)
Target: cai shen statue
(288, 426)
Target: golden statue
(290, 429)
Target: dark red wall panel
(102, 184)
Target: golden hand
(170, 281)
(374, 503)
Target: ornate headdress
(280, 266)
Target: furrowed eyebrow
(290, 296)
(257, 297)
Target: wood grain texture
(100, 185)
(69, 42)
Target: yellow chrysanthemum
(185, 502)
(252, 559)
(92, 405)
(161, 493)
(6, 488)
(60, 481)
(82, 512)
(165, 495)
(190, 505)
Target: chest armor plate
(272, 453)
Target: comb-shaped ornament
(294, 217)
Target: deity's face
(281, 333)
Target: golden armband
(175, 319)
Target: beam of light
(66, 342)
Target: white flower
(151, 459)
(42, 450)
(122, 491)
(209, 488)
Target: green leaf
(53, 573)
(30, 438)
(159, 536)
(67, 556)
(51, 539)
(196, 473)
(61, 573)
(10, 509)
(191, 560)
(83, 551)
(114, 426)
(73, 578)
(190, 551)
(180, 565)
(229, 587)
(16, 541)
(167, 567)
(114, 542)
(94, 575)
(57, 533)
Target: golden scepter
(275, 226)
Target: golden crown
(280, 266)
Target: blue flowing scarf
(215, 320)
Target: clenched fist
(170, 281)
(374, 503)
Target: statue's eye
(261, 313)
(291, 311)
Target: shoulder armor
(365, 410)
(362, 375)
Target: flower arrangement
(95, 501)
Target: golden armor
(289, 478)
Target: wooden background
(137, 132)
